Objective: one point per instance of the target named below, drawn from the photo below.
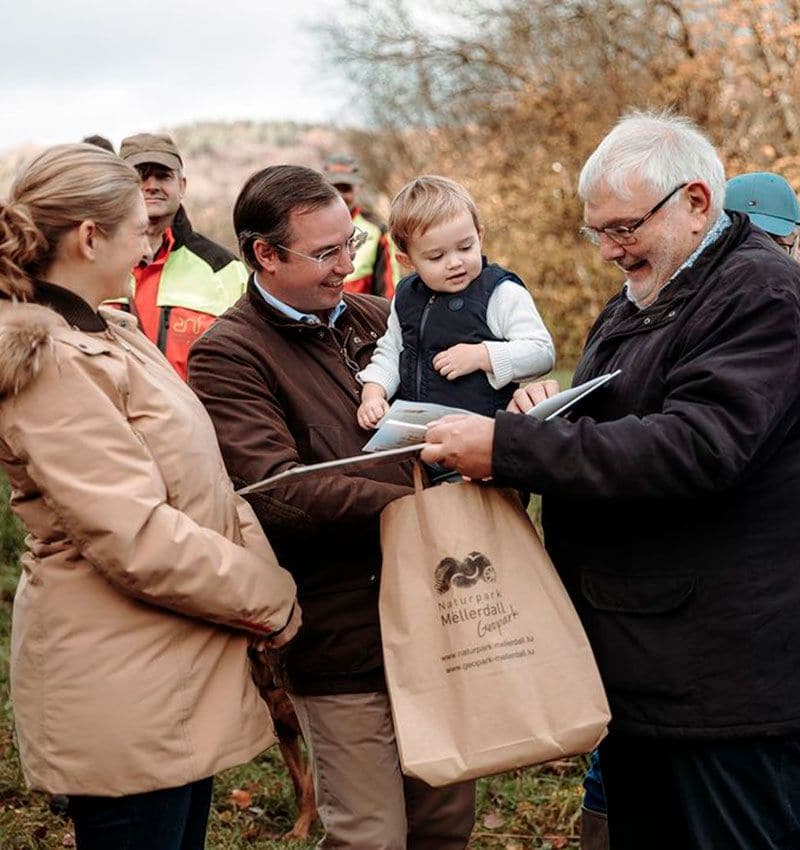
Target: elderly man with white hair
(671, 498)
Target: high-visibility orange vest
(177, 296)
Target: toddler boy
(461, 331)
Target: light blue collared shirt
(722, 223)
(296, 315)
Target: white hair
(662, 150)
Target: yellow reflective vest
(376, 270)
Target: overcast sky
(68, 69)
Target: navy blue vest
(434, 321)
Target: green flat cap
(151, 147)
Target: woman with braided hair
(145, 578)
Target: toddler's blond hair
(424, 202)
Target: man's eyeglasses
(625, 234)
(331, 256)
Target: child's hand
(371, 411)
(462, 359)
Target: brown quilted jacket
(281, 392)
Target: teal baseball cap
(767, 199)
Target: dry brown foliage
(510, 97)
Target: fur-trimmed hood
(26, 340)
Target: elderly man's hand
(527, 397)
(461, 442)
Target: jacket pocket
(645, 637)
(636, 594)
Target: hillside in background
(219, 157)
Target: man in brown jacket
(277, 373)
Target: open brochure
(405, 422)
(560, 403)
(332, 467)
(401, 435)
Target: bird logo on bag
(452, 573)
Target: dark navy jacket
(434, 321)
(672, 505)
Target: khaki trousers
(364, 801)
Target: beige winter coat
(127, 671)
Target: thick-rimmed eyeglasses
(331, 256)
(625, 234)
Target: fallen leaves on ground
(240, 798)
(492, 820)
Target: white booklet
(561, 402)
(405, 423)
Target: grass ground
(533, 809)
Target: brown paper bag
(487, 664)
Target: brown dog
(289, 736)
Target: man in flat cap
(190, 280)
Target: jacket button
(373, 334)
(372, 578)
(356, 339)
(648, 320)
(671, 314)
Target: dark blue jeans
(737, 794)
(594, 797)
(169, 819)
